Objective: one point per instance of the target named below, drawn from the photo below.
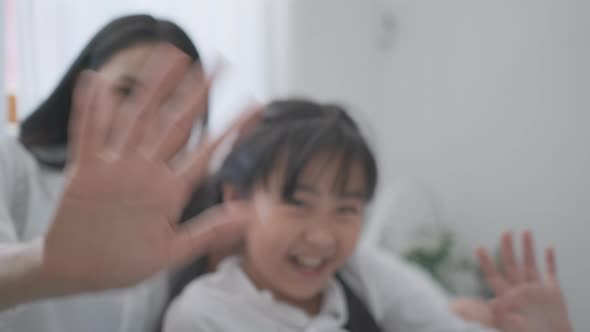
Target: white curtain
(3, 56)
(52, 32)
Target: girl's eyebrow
(353, 195)
(344, 195)
(307, 189)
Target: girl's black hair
(292, 133)
(47, 126)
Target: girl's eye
(349, 210)
(297, 203)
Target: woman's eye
(124, 91)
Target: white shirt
(29, 194)
(399, 298)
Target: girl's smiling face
(296, 244)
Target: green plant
(436, 252)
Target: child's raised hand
(524, 301)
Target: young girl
(308, 173)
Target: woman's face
(124, 68)
(127, 75)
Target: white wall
(333, 54)
(489, 105)
(483, 103)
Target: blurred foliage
(436, 252)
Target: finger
(179, 130)
(508, 259)
(195, 237)
(84, 101)
(496, 312)
(104, 114)
(249, 127)
(497, 306)
(181, 102)
(195, 167)
(550, 261)
(160, 76)
(494, 279)
(531, 273)
(472, 309)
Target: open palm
(116, 223)
(525, 302)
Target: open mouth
(308, 266)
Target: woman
(56, 238)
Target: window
(8, 65)
(48, 34)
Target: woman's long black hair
(292, 133)
(47, 126)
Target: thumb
(199, 234)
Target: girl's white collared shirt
(399, 297)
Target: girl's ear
(236, 204)
(229, 193)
